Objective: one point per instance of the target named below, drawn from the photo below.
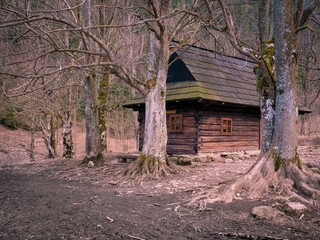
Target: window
(175, 123)
(226, 126)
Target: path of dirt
(61, 200)
(58, 199)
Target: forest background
(49, 59)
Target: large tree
(279, 169)
(98, 54)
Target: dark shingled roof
(215, 77)
(197, 73)
(218, 77)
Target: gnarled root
(148, 168)
(262, 181)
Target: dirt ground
(59, 199)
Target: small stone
(296, 207)
(203, 158)
(99, 226)
(266, 212)
(210, 158)
(90, 164)
(184, 161)
(228, 160)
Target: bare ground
(59, 199)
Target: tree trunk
(67, 136)
(93, 148)
(152, 163)
(102, 106)
(32, 138)
(265, 76)
(278, 171)
(267, 119)
(285, 137)
(93, 140)
(49, 135)
(155, 131)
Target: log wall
(245, 129)
(184, 142)
(201, 126)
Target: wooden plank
(235, 122)
(223, 149)
(183, 141)
(187, 129)
(215, 139)
(217, 133)
(227, 145)
(180, 148)
(184, 135)
(234, 128)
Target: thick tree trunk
(67, 136)
(155, 132)
(93, 148)
(285, 137)
(152, 163)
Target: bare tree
(100, 52)
(279, 168)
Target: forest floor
(59, 199)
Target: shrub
(10, 120)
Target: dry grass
(15, 145)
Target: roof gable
(221, 78)
(178, 71)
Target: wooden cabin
(211, 102)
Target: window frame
(172, 126)
(227, 128)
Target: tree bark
(92, 119)
(32, 139)
(49, 134)
(285, 137)
(67, 136)
(93, 140)
(155, 132)
(102, 107)
(267, 120)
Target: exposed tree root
(262, 180)
(148, 168)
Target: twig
(110, 219)
(134, 237)
(177, 208)
(300, 218)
